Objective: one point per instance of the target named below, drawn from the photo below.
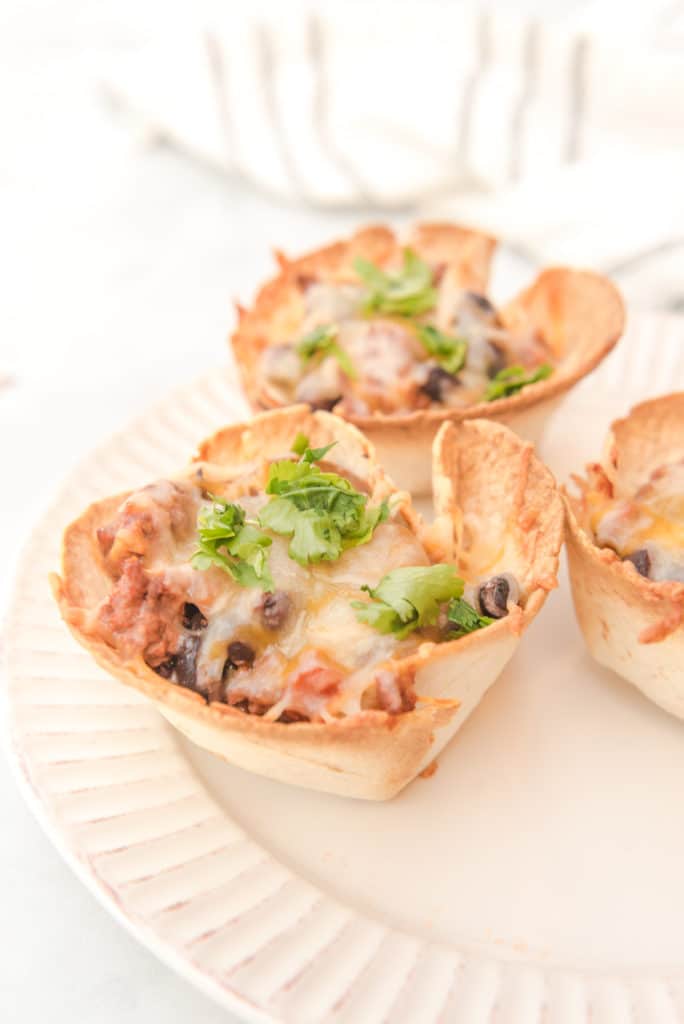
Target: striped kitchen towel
(564, 133)
(390, 103)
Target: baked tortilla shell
(632, 625)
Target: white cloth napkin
(565, 135)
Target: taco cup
(400, 338)
(625, 542)
(288, 667)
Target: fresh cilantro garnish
(238, 547)
(322, 342)
(322, 512)
(511, 379)
(405, 292)
(464, 619)
(300, 446)
(408, 598)
(449, 351)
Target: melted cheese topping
(321, 617)
(320, 659)
(651, 519)
(391, 364)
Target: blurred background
(152, 155)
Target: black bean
(214, 691)
(497, 361)
(641, 560)
(186, 661)
(304, 281)
(325, 404)
(493, 597)
(275, 609)
(291, 716)
(240, 654)
(481, 302)
(193, 618)
(438, 383)
(166, 669)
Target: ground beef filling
(142, 615)
(154, 517)
(145, 616)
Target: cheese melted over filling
(650, 521)
(312, 660)
(394, 371)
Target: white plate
(537, 877)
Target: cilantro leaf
(464, 618)
(234, 545)
(300, 444)
(314, 538)
(405, 292)
(449, 351)
(408, 598)
(322, 342)
(316, 454)
(371, 518)
(321, 512)
(512, 379)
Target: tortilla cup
(631, 624)
(493, 499)
(578, 314)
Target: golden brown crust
(650, 435)
(373, 754)
(270, 436)
(624, 616)
(489, 476)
